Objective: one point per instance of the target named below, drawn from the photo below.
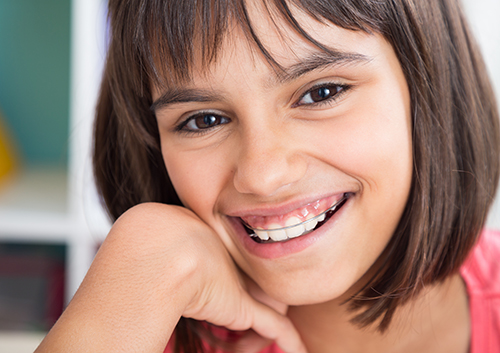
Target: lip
(289, 247)
(277, 210)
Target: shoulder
(481, 270)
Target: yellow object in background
(7, 155)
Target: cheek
(374, 142)
(373, 145)
(374, 149)
(197, 180)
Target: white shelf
(33, 205)
(35, 189)
(44, 205)
(37, 227)
(20, 342)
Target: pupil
(321, 93)
(209, 120)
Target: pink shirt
(481, 274)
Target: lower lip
(282, 249)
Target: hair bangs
(170, 38)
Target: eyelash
(341, 89)
(181, 128)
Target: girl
(306, 175)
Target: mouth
(296, 229)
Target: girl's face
(244, 141)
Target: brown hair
(455, 123)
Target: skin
(273, 152)
(271, 149)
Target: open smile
(293, 228)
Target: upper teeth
(294, 228)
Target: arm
(159, 263)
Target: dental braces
(315, 218)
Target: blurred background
(51, 222)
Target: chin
(311, 292)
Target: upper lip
(279, 209)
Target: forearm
(157, 264)
(131, 298)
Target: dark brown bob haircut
(454, 122)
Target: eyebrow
(319, 61)
(184, 95)
(315, 62)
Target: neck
(437, 321)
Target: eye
(202, 121)
(322, 93)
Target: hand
(231, 299)
(251, 341)
(159, 263)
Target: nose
(267, 161)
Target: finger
(258, 294)
(282, 331)
(271, 325)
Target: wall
(34, 77)
(483, 20)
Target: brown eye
(204, 121)
(319, 94)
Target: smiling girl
(312, 174)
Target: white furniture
(19, 342)
(60, 206)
